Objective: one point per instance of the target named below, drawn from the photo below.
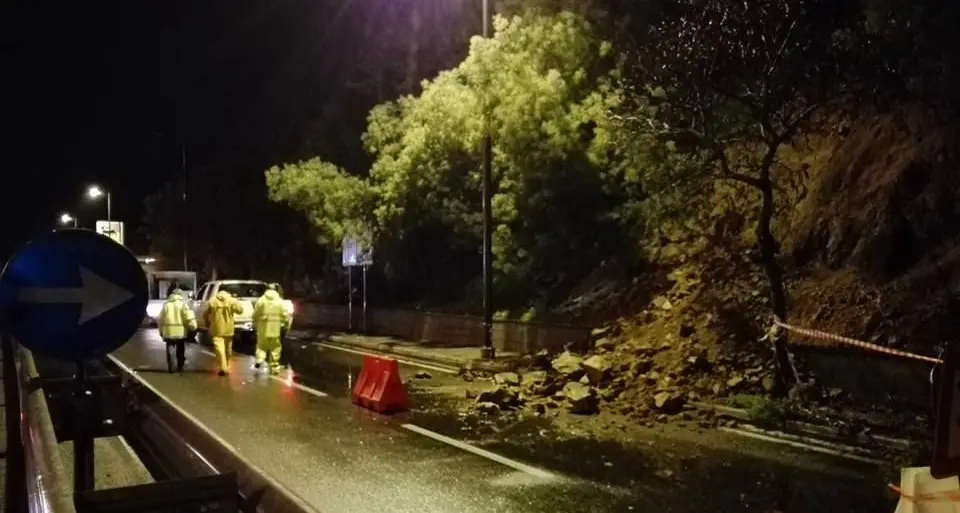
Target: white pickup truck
(246, 291)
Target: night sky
(108, 92)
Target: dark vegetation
(811, 140)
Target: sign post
(356, 254)
(75, 295)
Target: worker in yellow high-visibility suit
(270, 320)
(176, 324)
(219, 316)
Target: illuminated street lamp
(66, 218)
(95, 192)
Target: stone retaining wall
(443, 329)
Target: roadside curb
(861, 447)
(387, 349)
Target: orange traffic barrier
(379, 387)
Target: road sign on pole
(112, 229)
(356, 253)
(73, 295)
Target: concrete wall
(443, 330)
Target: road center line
(400, 360)
(503, 460)
(463, 446)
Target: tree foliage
(570, 186)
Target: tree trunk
(786, 374)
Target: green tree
(739, 81)
(569, 187)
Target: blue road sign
(73, 295)
(356, 253)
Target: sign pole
(364, 298)
(83, 461)
(349, 298)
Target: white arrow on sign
(96, 295)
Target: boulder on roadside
(597, 368)
(668, 402)
(488, 408)
(662, 303)
(581, 399)
(507, 379)
(568, 365)
(605, 344)
(537, 383)
(501, 396)
(533, 378)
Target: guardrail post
(16, 484)
(83, 476)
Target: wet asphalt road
(343, 459)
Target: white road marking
(285, 381)
(798, 445)
(400, 360)
(209, 432)
(503, 460)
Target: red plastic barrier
(379, 387)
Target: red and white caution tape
(830, 337)
(927, 497)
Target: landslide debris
(651, 367)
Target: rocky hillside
(869, 223)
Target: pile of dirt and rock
(868, 216)
(677, 352)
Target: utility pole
(185, 212)
(487, 351)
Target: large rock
(536, 383)
(568, 365)
(605, 344)
(597, 368)
(534, 378)
(662, 303)
(488, 408)
(581, 399)
(507, 378)
(501, 396)
(668, 402)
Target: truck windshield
(160, 288)
(244, 289)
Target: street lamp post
(487, 351)
(66, 218)
(185, 213)
(95, 192)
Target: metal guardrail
(36, 478)
(48, 488)
(201, 453)
(196, 468)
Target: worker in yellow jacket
(270, 320)
(218, 316)
(176, 324)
